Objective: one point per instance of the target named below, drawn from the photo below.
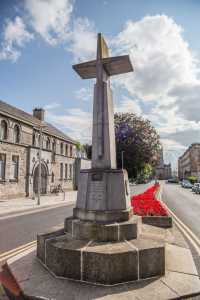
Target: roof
(29, 119)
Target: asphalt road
(22, 229)
(19, 230)
(184, 203)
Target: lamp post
(122, 159)
(39, 166)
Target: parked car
(186, 184)
(195, 187)
(173, 180)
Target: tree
(88, 150)
(139, 141)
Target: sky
(40, 40)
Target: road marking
(34, 210)
(195, 241)
(8, 254)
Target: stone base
(103, 195)
(83, 247)
(106, 216)
(179, 282)
(103, 232)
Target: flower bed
(150, 208)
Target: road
(22, 229)
(184, 203)
(19, 230)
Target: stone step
(118, 231)
(105, 263)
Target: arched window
(48, 144)
(3, 130)
(16, 134)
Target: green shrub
(192, 179)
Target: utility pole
(39, 173)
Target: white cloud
(166, 73)
(84, 94)
(82, 40)
(51, 19)
(75, 121)
(15, 36)
(160, 55)
(128, 105)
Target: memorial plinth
(101, 242)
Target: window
(61, 148)
(15, 167)
(54, 151)
(34, 139)
(71, 151)
(66, 171)
(16, 134)
(70, 171)
(52, 177)
(3, 130)
(48, 143)
(61, 171)
(66, 150)
(2, 166)
(54, 146)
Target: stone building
(162, 170)
(189, 162)
(19, 154)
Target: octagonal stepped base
(105, 263)
(86, 230)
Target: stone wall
(10, 188)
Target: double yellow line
(194, 240)
(6, 255)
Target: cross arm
(112, 66)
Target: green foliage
(192, 179)
(140, 142)
(88, 150)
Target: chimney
(39, 113)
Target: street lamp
(122, 159)
(40, 158)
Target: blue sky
(41, 39)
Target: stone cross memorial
(101, 242)
(103, 192)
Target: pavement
(12, 207)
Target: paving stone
(183, 263)
(182, 284)
(153, 289)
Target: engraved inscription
(97, 190)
